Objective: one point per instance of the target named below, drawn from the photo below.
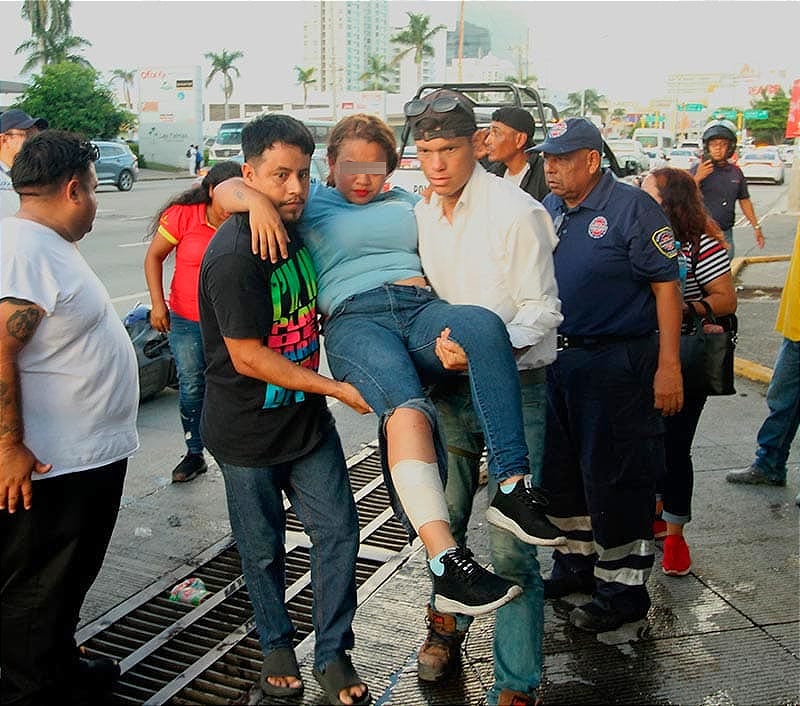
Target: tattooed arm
(18, 322)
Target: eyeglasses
(443, 104)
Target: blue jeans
(382, 341)
(318, 487)
(783, 399)
(519, 625)
(186, 345)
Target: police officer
(510, 140)
(614, 377)
(722, 183)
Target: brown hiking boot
(440, 651)
(517, 698)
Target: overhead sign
(725, 114)
(756, 114)
(692, 107)
(793, 120)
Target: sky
(624, 50)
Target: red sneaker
(676, 560)
(659, 529)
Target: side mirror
(631, 166)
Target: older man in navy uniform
(617, 372)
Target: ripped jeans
(186, 345)
(382, 342)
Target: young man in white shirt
(69, 396)
(484, 241)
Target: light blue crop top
(357, 248)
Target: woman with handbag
(709, 297)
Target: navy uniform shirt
(611, 247)
(721, 189)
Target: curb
(739, 263)
(751, 370)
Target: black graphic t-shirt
(249, 422)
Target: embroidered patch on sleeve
(664, 240)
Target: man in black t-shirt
(266, 422)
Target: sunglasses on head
(443, 104)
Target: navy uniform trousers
(604, 450)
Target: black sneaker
(521, 512)
(191, 466)
(592, 617)
(467, 588)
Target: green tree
(377, 75)
(773, 129)
(416, 37)
(304, 78)
(126, 78)
(73, 97)
(222, 65)
(588, 100)
(51, 41)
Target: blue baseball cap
(16, 119)
(570, 135)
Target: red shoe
(659, 529)
(676, 560)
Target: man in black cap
(15, 127)
(483, 241)
(613, 379)
(510, 140)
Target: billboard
(793, 121)
(170, 113)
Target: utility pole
(461, 43)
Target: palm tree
(377, 74)
(222, 64)
(586, 102)
(51, 39)
(126, 77)
(529, 80)
(416, 37)
(305, 77)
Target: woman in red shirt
(185, 224)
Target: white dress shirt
(497, 253)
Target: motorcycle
(153, 355)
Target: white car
(683, 158)
(630, 151)
(786, 152)
(408, 174)
(657, 157)
(763, 164)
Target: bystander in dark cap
(16, 119)
(570, 135)
(442, 113)
(518, 119)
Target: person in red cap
(15, 127)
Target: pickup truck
(488, 97)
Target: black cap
(16, 119)
(517, 118)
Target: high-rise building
(477, 43)
(339, 38)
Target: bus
(228, 142)
(654, 138)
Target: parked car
(630, 151)
(657, 157)
(683, 158)
(763, 164)
(116, 165)
(695, 145)
(786, 153)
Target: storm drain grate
(209, 654)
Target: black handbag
(707, 358)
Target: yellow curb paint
(739, 263)
(752, 371)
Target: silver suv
(116, 165)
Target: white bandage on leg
(420, 491)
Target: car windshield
(761, 155)
(648, 140)
(681, 153)
(232, 136)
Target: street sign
(756, 114)
(725, 115)
(693, 107)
